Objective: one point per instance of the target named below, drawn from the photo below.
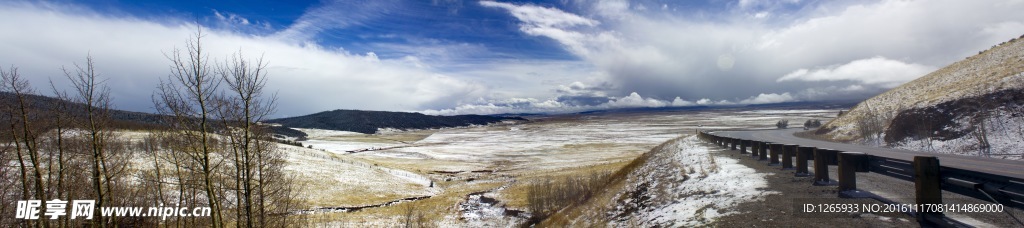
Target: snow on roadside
(685, 184)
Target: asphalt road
(1009, 168)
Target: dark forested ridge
(42, 107)
(369, 121)
(343, 120)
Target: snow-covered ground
(1006, 135)
(332, 181)
(688, 186)
(477, 157)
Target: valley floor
(480, 176)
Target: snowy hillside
(685, 185)
(991, 74)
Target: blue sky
(363, 26)
(485, 57)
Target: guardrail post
(743, 146)
(762, 152)
(927, 184)
(849, 164)
(822, 158)
(788, 151)
(803, 154)
(753, 148)
(773, 155)
(732, 143)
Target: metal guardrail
(929, 177)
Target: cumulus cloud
(578, 97)
(634, 100)
(878, 70)
(769, 99)
(821, 50)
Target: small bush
(782, 124)
(813, 123)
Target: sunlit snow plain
(444, 168)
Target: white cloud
(551, 106)
(549, 22)
(769, 98)
(692, 55)
(333, 14)
(230, 18)
(679, 102)
(821, 49)
(875, 71)
(129, 52)
(634, 100)
(541, 17)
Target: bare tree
(872, 124)
(25, 133)
(96, 100)
(980, 120)
(925, 130)
(189, 94)
(10, 151)
(243, 107)
(61, 123)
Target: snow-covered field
(460, 162)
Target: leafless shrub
(550, 195)
(782, 124)
(872, 124)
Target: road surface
(1009, 168)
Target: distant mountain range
(370, 122)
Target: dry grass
(432, 210)
(516, 195)
(593, 212)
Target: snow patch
(688, 185)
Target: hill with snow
(970, 107)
